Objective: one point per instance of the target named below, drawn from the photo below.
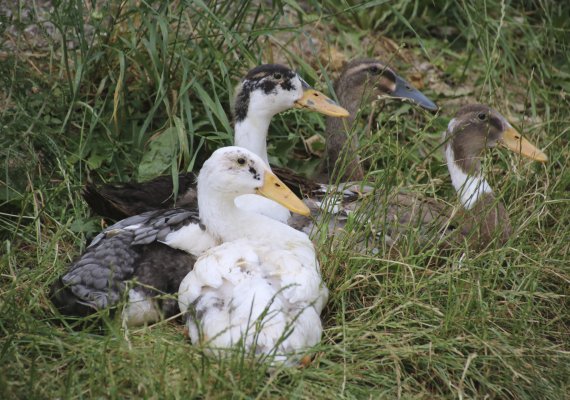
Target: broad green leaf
(160, 155)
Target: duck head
(234, 171)
(366, 79)
(361, 82)
(272, 88)
(266, 91)
(477, 127)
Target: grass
(96, 93)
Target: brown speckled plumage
(394, 215)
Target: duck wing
(116, 201)
(374, 215)
(135, 259)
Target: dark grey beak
(406, 91)
(304, 84)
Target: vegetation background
(121, 90)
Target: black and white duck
(360, 82)
(265, 91)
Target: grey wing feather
(98, 278)
(150, 226)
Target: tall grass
(130, 90)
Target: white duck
(262, 287)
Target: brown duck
(481, 217)
(360, 83)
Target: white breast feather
(256, 292)
(140, 310)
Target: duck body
(251, 291)
(266, 292)
(262, 286)
(369, 216)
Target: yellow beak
(277, 191)
(316, 101)
(514, 141)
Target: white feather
(451, 125)
(267, 293)
(264, 206)
(132, 227)
(469, 187)
(140, 310)
(192, 239)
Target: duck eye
(374, 69)
(277, 75)
(482, 116)
(241, 161)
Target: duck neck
(471, 187)
(226, 222)
(251, 134)
(337, 136)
